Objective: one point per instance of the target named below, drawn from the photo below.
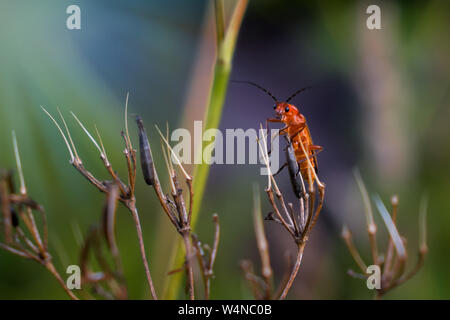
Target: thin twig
(347, 236)
(371, 226)
(293, 275)
(263, 246)
(134, 213)
(390, 250)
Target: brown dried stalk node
(392, 264)
(126, 190)
(21, 233)
(176, 209)
(206, 256)
(298, 224)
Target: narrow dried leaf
(126, 122)
(101, 142)
(365, 196)
(393, 232)
(23, 189)
(69, 135)
(187, 176)
(72, 158)
(87, 133)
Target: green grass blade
(222, 69)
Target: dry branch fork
(298, 225)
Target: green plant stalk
(201, 171)
(222, 70)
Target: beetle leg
(279, 132)
(271, 120)
(267, 128)
(313, 147)
(316, 147)
(281, 168)
(283, 130)
(284, 149)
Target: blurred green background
(380, 103)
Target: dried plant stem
(262, 243)
(174, 208)
(371, 230)
(27, 241)
(183, 222)
(295, 269)
(5, 206)
(35, 232)
(206, 263)
(346, 234)
(185, 232)
(163, 201)
(50, 267)
(298, 226)
(189, 270)
(396, 255)
(132, 207)
(108, 226)
(390, 249)
(14, 234)
(127, 196)
(277, 211)
(207, 285)
(420, 262)
(20, 253)
(256, 283)
(371, 226)
(213, 256)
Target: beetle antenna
(296, 93)
(259, 87)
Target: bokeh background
(379, 103)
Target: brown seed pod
(146, 154)
(14, 218)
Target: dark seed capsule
(14, 218)
(294, 172)
(146, 154)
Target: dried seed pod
(146, 154)
(14, 218)
(294, 171)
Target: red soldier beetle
(298, 135)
